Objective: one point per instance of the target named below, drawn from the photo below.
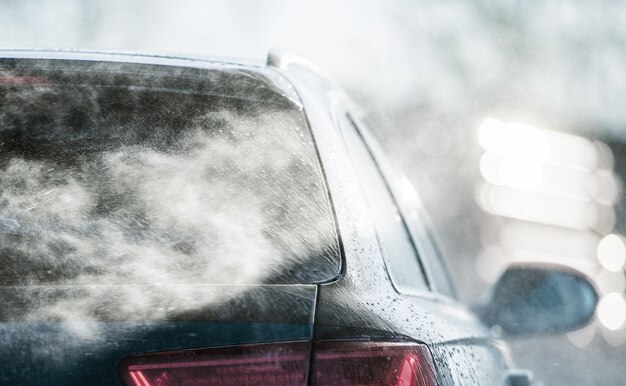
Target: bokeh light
(612, 252)
(612, 311)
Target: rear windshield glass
(115, 173)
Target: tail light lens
(267, 364)
(333, 363)
(373, 363)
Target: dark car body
(390, 284)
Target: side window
(395, 242)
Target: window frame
(420, 230)
(394, 258)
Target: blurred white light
(573, 152)
(544, 239)
(602, 218)
(490, 168)
(606, 160)
(545, 209)
(489, 134)
(608, 282)
(601, 186)
(584, 336)
(612, 311)
(520, 173)
(612, 252)
(514, 139)
(607, 189)
(539, 145)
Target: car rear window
(118, 173)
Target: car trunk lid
(69, 335)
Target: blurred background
(508, 116)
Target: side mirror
(539, 299)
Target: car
(192, 221)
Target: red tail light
(372, 363)
(268, 364)
(334, 363)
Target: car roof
(130, 57)
(271, 72)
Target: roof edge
(126, 56)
